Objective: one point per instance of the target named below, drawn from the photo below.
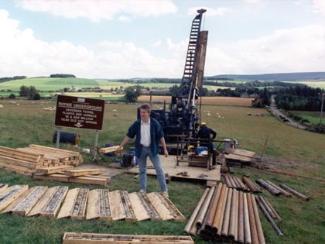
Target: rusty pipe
(241, 237)
(233, 225)
(259, 228)
(194, 215)
(294, 192)
(247, 229)
(226, 221)
(252, 220)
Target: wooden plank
(80, 205)
(53, 177)
(238, 158)
(17, 169)
(175, 172)
(110, 149)
(171, 207)
(82, 172)
(162, 210)
(17, 154)
(68, 203)
(93, 204)
(140, 211)
(243, 152)
(92, 180)
(17, 162)
(11, 194)
(53, 170)
(116, 205)
(148, 206)
(129, 213)
(42, 202)
(89, 238)
(3, 187)
(34, 195)
(51, 208)
(13, 204)
(98, 205)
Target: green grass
(314, 84)
(47, 86)
(301, 153)
(312, 117)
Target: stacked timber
(251, 185)
(37, 159)
(82, 203)
(225, 214)
(234, 182)
(83, 238)
(47, 163)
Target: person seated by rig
(206, 136)
(148, 134)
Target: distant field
(314, 84)
(312, 117)
(56, 84)
(222, 101)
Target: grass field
(312, 117)
(298, 151)
(49, 85)
(219, 101)
(314, 84)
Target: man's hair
(145, 107)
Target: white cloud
(319, 6)
(124, 18)
(221, 11)
(286, 50)
(97, 10)
(22, 53)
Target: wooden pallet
(89, 238)
(174, 172)
(25, 205)
(75, 204)
(10, 194)
(81, 203)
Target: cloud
(97, 10)
(22, 53)
(284, 50)
(319, 6)
(221, 11)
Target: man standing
(148, 134)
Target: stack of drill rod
(225, 214)
(270, 213)
(234, 182)
(273, 188)
(251, 185)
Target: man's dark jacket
(156, 133)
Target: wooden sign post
(79, 112)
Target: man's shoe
(142, 191)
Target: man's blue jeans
(142, 161)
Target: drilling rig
(183, 116)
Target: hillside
(298, 76)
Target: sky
(148, 38)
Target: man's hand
(166, 152)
